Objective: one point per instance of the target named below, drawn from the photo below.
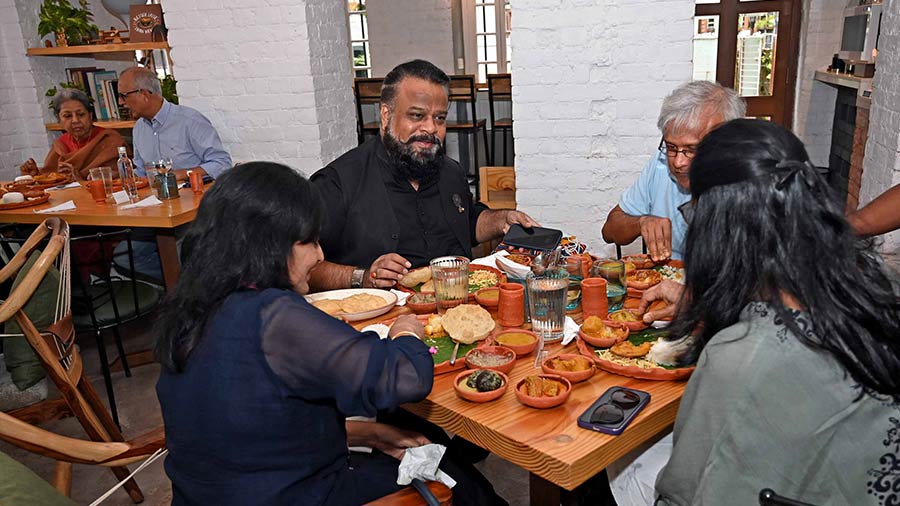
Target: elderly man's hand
(30, 168)
(520, 218)
(386, 270)
(668, 291)
(657, 234)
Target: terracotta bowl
(519, 258)
(497, 353)
(572, 376)
(520, 349)
(416, 305)
(488, 296)
(474, 396)
(603, 342)
(544, 402)
(632, 326)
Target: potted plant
(72, 25)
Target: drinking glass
(613, 271)
(547, 303)
(572, 265)
(101, 182)
(451, 281)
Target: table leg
(546, 493)
(168, 256)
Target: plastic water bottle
(126, 172)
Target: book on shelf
(76, 76)
(99, 79)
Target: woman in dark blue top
(256, 383)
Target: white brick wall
(588, 80)
(881, 167)
(402, 30)
(274, 78)
(814, 112)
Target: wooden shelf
(94, 49)
(55, 127)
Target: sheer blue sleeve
(321, 358)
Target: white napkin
(65, 206)
(509, 267)
(149, 201)
(570, 330)
(401, 296)
(70, 185)
(422, 462)
(378, 328)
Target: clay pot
(475, 396)
(544, 402)
(488, 296)
(511, 305)
(572, 376)
(593, 297)
(520, 349)
(503, 354)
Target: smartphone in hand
(614, 410)
(535, 238)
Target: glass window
(493, 22)
(359, 38)
(755, 63)
(705, 45)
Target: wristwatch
(356, 279)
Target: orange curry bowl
(564, 388)
(471, 394)
(522, 342)
(571, 366)
(488, 296)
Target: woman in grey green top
(797, 325)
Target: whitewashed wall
(821, 24)
(402, 30)
(274, 78)
(24, 80)
(588, 80)
(881, 167)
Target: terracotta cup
(593, 297)
(511, 306)
(196, 179)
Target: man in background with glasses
(649, 208)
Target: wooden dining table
(163, 218)
(548, 443)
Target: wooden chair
(462, 90)
(498, 187)
(367, 91)
(55, 345)
(499, 90)
(410, 497)
(66, 450)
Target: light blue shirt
(182, 134)
(655, 193)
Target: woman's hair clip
(796, 167)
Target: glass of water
(547, 302)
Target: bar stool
(499, 90)
(367, 91)
(462, 89)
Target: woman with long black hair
(256, 383)
(796, 326)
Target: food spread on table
(353, 304)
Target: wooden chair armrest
(79, 451)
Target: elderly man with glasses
(650, 207)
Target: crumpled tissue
(422, 463)
(401, 296)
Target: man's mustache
(434, 139)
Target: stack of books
(103, 87)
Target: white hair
(688, 106)
(145, 79)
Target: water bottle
(126, 172)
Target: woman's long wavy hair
(244, 232)
(766, 225)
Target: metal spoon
(455, 351)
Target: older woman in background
(83, 146)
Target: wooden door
(756, 52)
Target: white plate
(389, 301)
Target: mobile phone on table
(206, 180)
(536, 238)
(614, 410)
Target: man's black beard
(411, 165)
